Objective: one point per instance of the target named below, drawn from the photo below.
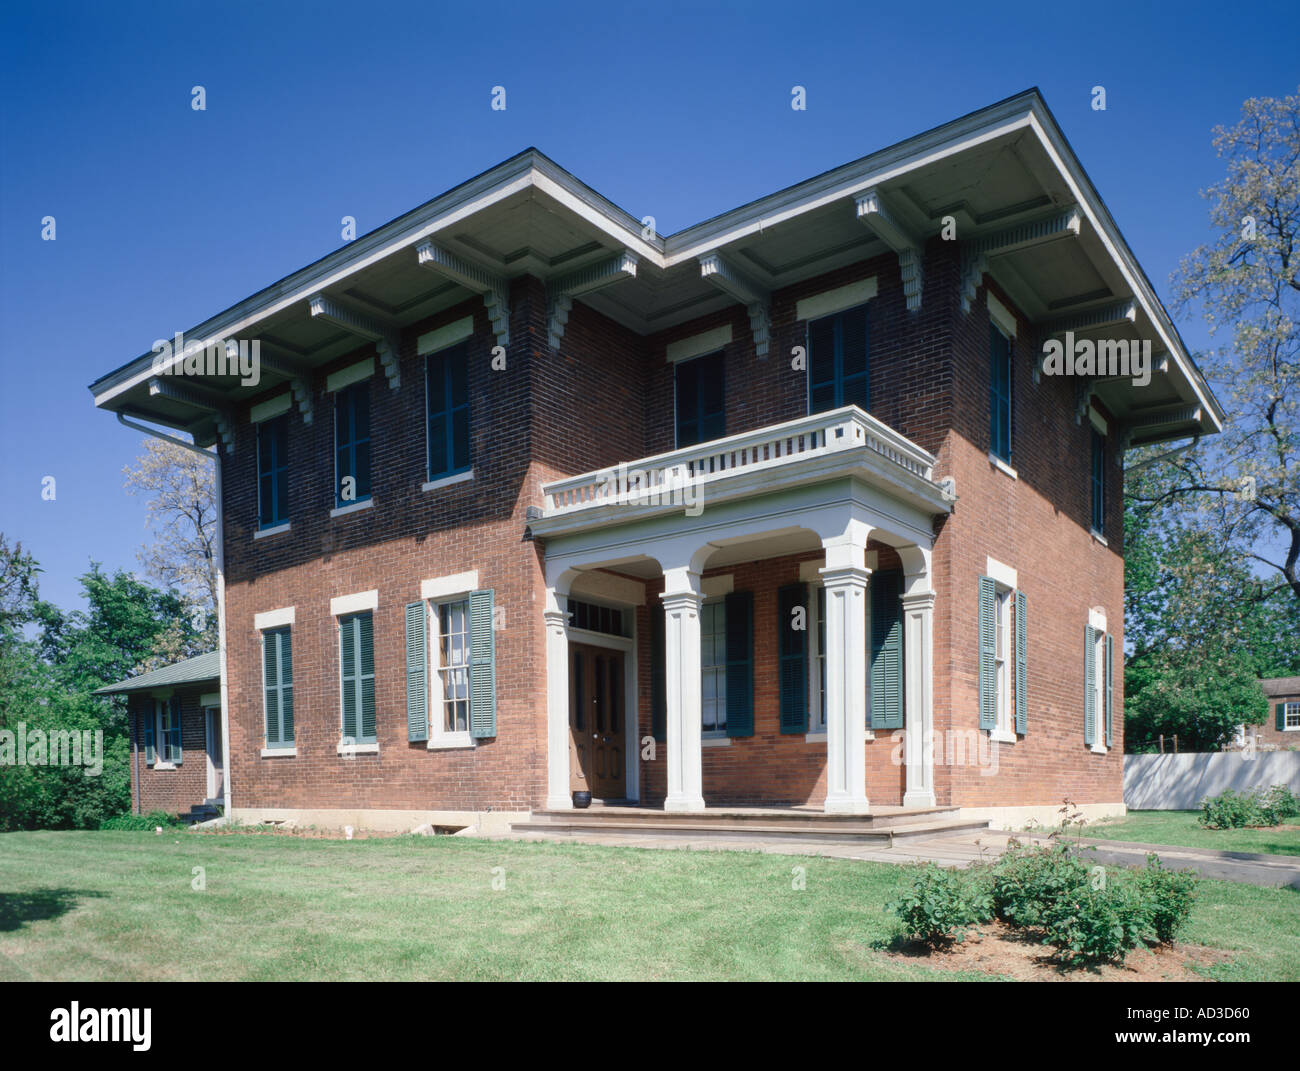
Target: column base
(559, 803)
(684, 805)
(847, 806)
(919, 799)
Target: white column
(918, 691)
(682, 673)
(558, 797)
(845, 579)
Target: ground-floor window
(713, 667)
(1291, 716)
(452, 668)
(162, 732)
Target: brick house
(1280, 730)
(176, 729)
(783, 509)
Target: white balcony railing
(809, 437)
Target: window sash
(1098, 481)
(839, 360)
(713, 667)
(273, 472)
(447, 412)
(1291, 716)
(999, 393)
(451, 666)
(701, 400)
(352, 442)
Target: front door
(216, 769)
(597, 761)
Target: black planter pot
(582, 800)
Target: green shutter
(886, 650)
(988, 640)
(150, 719)
(417, 673)
(482, 667)
(286, 686)
(348, 628)
(1110, 694)
(1022, 668)
(271, 686)
(174, 755)
(792, 648)
(1089, 686)
(1281, 717)
(658, 675)
(740, 663)
(366, 664)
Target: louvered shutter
(174, 754)
(150, 719)
(271, 686)
(286, 686)
(792, 647)
(366, 665)
(1110, 694)
(417, 672)
(658, 675)
(1022, 668)
(1089, 686)
(348, 628)
(886, 650)
(1281, 717)
(482, 667)
(740, 663)
(988, 640)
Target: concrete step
(740, 818)
(834, 832)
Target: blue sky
(319, 110)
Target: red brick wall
(1268, 735)
(174, 791)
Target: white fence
(1180, 782)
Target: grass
(119, 906)
(1180, 828)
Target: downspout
(214, 456)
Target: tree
(182, 511)
(1246, 284)
(18, 571)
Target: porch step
(796, 819)
(792, 827)
(202, 812)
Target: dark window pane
(363, 470)
(460, 439)
(437, 385)
(853, 342)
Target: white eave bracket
(198, 398)
(976, 253)
(562, 291)
(297, 375)
(494, 288)
(1085, 324)
(383, 335)
(890, 229)
(757, 301)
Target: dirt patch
(996, 948)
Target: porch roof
(201, 669)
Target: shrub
(1169, 894)
(1236, 810)
(136, 822)
(1098, 923)
(1028, 880)
(940, 906)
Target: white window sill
(715, 741)
(163, 766)
(357, 749)
(1002, 736)
(447, 481)
(1002, 466)
(817, 736)
(1099, 537)
(352, 507)
(279, 752)
(450, 742)
(262, 533)
(1099, 749)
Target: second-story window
(838, 354)
(447, 394)
(352, 444)
(273, 472)
(999, 394)
(701, 400)
(1098, 482)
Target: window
(838, 361)
(595, 618)
(273, 471)
(1001, 658)
(1003, 666)
(1098, 481)
(447, 400)
(352, 444)
(999, 394)
(451, 669)
(277, 684)
(162, 733)
(817, 691)
(1098, 686)
(357, 673)
(1290, 716)
(701, 400)
(713, 667)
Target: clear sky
(166, 215)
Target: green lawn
(1181, 828)
(101, 906)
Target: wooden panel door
(597, 722)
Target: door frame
(211, 717)
(631, 715)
